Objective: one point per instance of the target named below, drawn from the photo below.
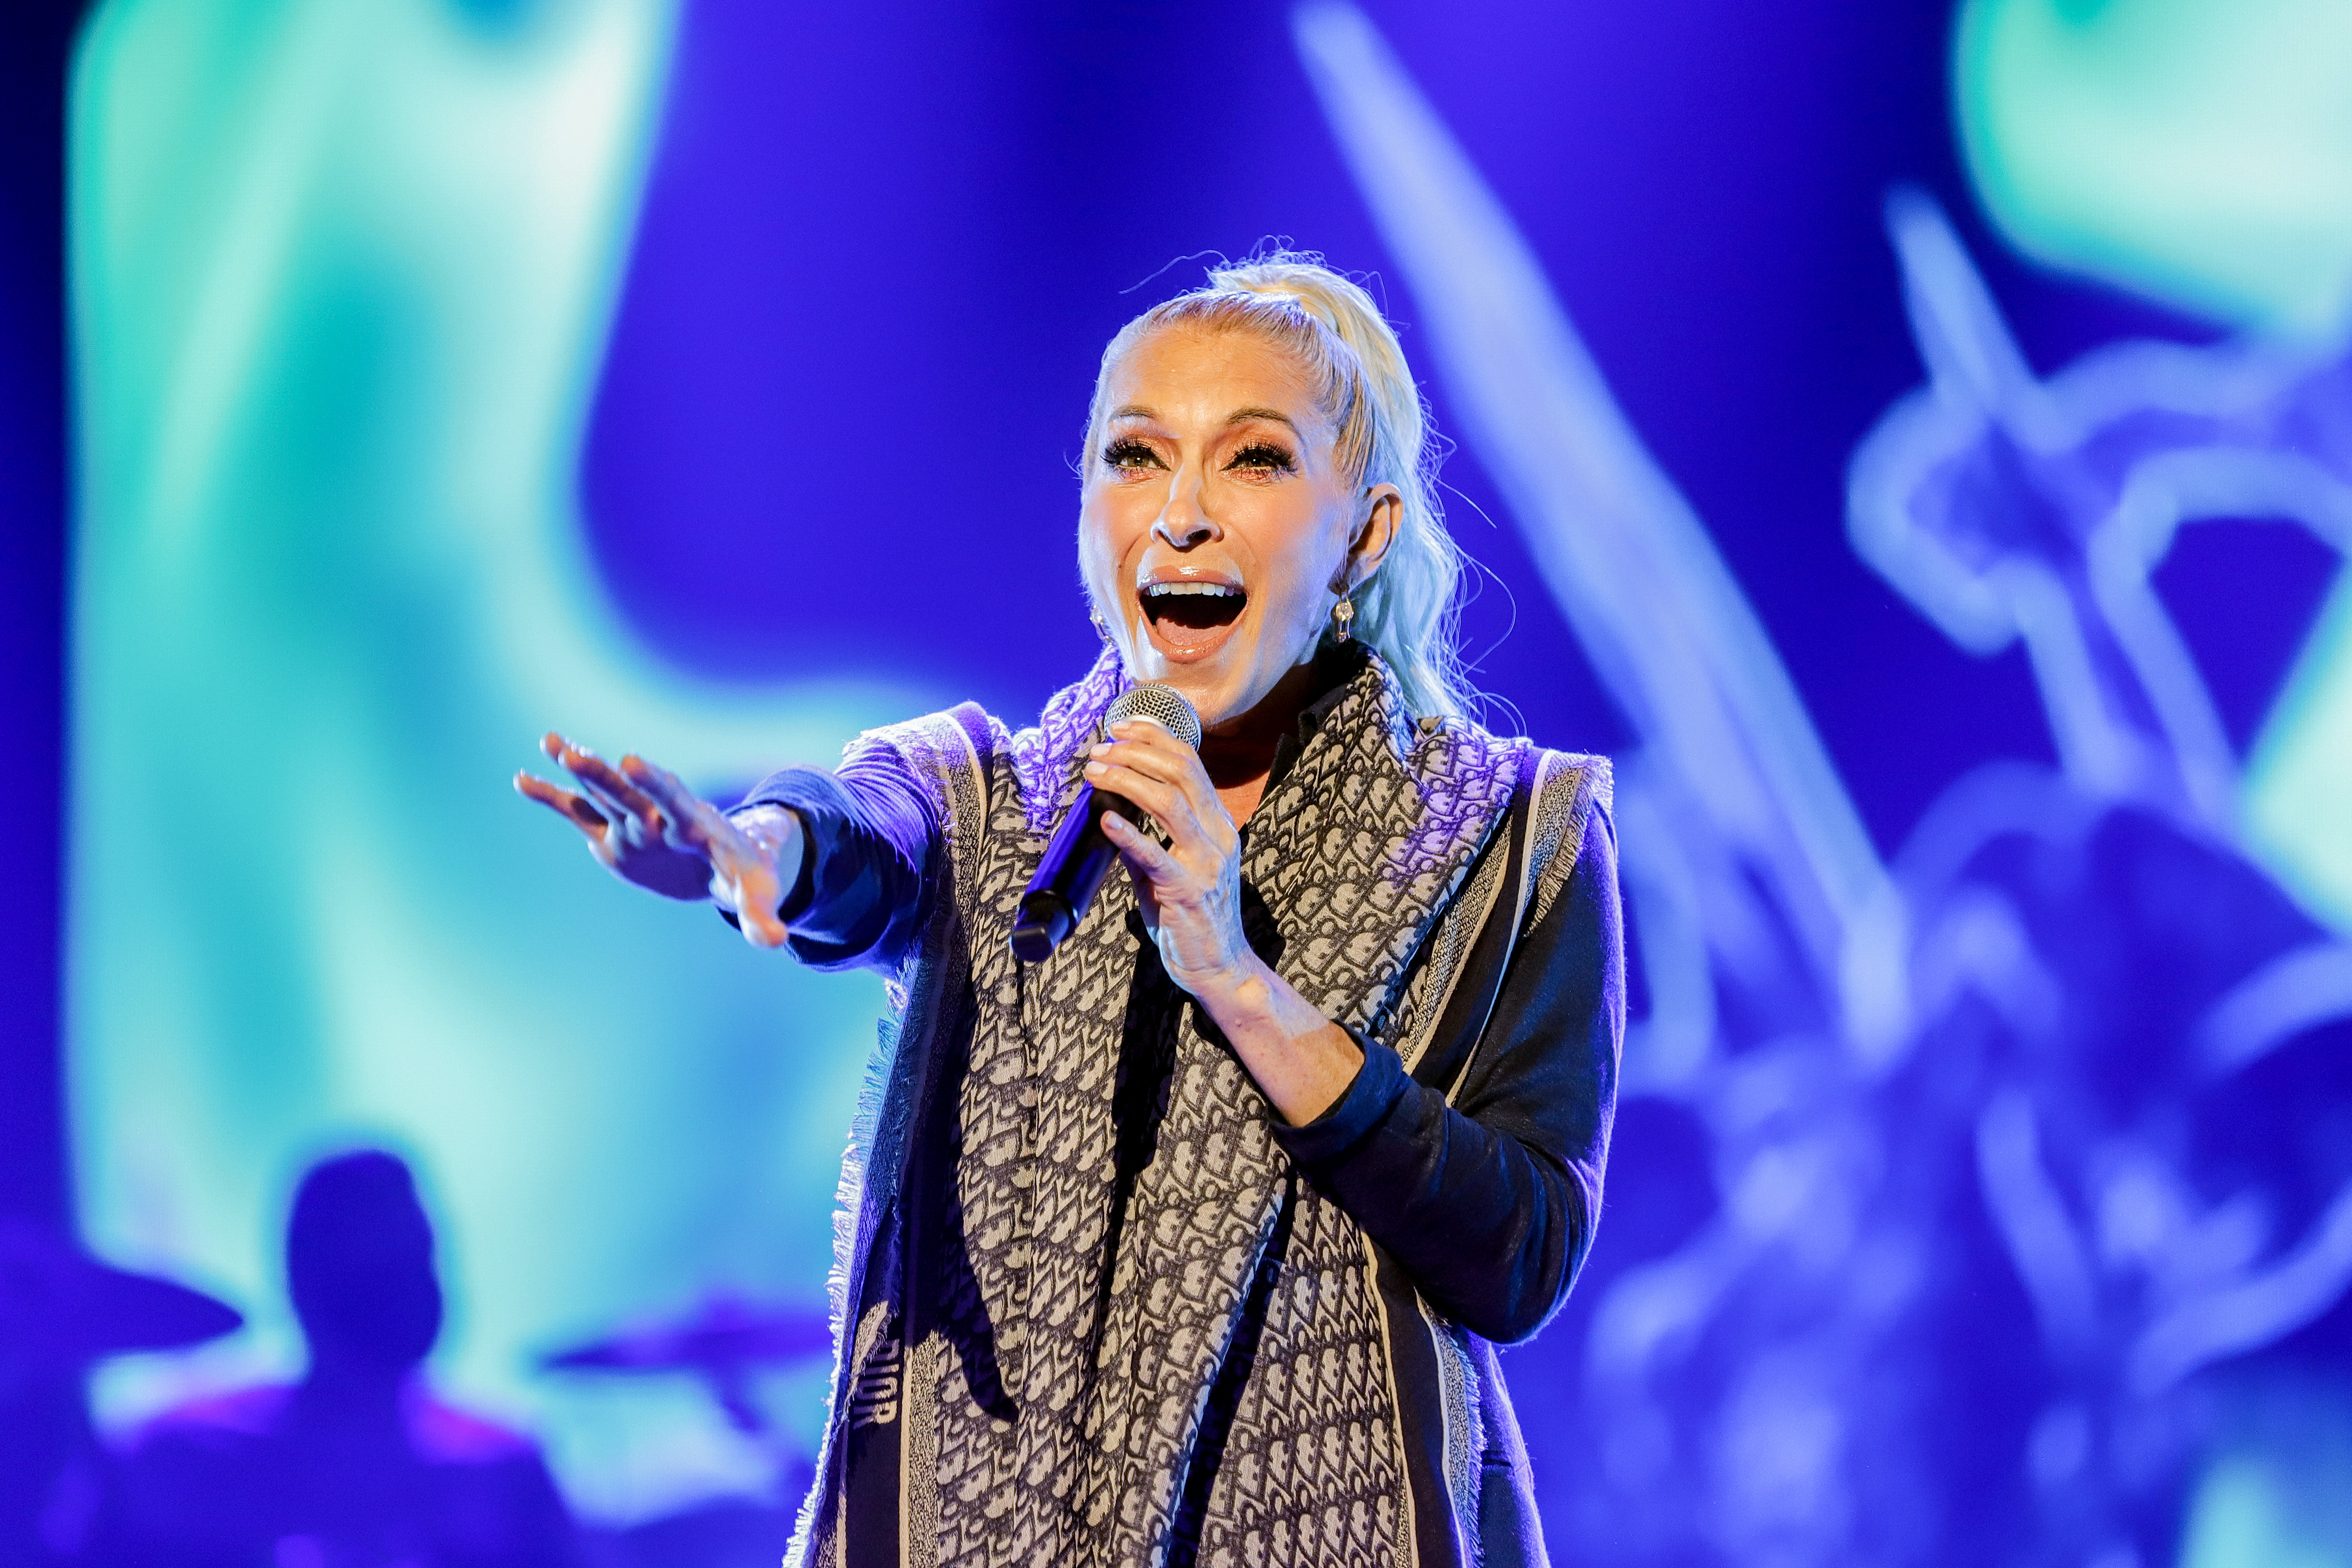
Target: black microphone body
(1076, 861)
(1079, 856)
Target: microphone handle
(1076, 861)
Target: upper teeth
(1218, 588)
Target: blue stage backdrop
(1832, 396)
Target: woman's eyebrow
(1238, 416)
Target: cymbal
(724, 1335)
(60, 1309)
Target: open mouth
(1192, 618)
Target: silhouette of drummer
(357, 1466)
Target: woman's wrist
(776, 832)
(768, 824)
(1238, 996)
(1301, 1060)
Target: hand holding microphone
(1189, 891)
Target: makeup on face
(1213, 527)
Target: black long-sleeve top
(1488, 1203)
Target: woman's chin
(1205, 673)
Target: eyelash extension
(1262, 456)
(1120, 454)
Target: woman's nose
(1182, 522)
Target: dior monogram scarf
(1140, 1336)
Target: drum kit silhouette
(729, 1343)
(62, 1311)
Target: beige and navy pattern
(1225, 1395)
(1073, 1410)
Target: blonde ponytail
(1406, 609)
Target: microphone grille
(1165, 704)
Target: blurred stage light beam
(1665, 625)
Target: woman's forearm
(1302, 1062)
(1489, 1198)
(865, 833)
(1419, 1176)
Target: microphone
(1079, 856)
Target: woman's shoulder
(1579, 779)
(965, 735)
(1565, 800)
(1573, 826)
(969, 759)
(1554, 780)
(950, 755)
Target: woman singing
(1192, 1242)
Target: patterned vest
(1089, 1312)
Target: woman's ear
(1376, 529)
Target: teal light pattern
(2199, 152)
(342, 271)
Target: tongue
(1176, 634)
(1186, 621)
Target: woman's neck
(1239, 753)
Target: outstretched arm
(869, 827)
(647, 828)
(832, 865)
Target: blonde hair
(1406, 609)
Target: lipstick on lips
(1190, 618)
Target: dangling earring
(1343, 616)
(1102, 627)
